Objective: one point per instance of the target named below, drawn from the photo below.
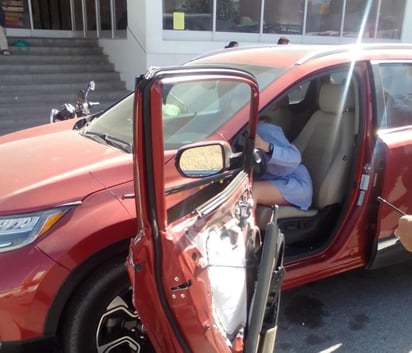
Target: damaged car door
(204, 278)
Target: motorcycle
(81, 108)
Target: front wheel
(101, 316)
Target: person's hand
(261, 144)
(404, 231)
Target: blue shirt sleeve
(285, 157)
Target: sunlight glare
(333, 348)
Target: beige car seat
(326, 143)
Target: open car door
(203, 278)
(394, 177)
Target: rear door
(392, 155)
(195, 260)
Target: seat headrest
(331, 98)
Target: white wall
(130, 55)
(164, 51)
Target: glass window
(49, 15)
(227, 16)
(324, 17)
(245, 16)
(397, 87)
(17, 13)
(237, 16)
(391, 17)
(377, 18)
(116, 122)
(195, 15)
(265, 75)
(189, 119)
(298, 93)
(121, 14)
(91, 16)
(78, 15)
(105, 15)
(283, 16)
(358, 12)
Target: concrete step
(56, 50)
(55, 42)
(55, 68)
(46, 77)
(42, 112)
(50, 72)
(56, 87)
(25, 115)
(48, 59)
(57, 99)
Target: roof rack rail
(343, 48)
(320, 53)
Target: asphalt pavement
(356, 312)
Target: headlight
(20, 230)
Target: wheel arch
(76, 278)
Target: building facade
(137, 34)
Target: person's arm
(404, 231)
(287, 156)
(283, 157)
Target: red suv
(68, 211)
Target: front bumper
(29, 281)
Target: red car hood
(51, 165)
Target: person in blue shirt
(286, 181)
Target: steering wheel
(260, 163)
(259, 167)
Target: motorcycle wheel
(101, 317)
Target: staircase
(48, 73)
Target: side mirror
(202, 160)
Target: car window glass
(396, 81)
(193, 111)
(265, 75)
(292, 110)
(339, 77)
(117, 121)
(298, 93)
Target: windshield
(192, 111)
(116, 122)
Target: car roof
(292, 55)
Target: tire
(101, 317)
